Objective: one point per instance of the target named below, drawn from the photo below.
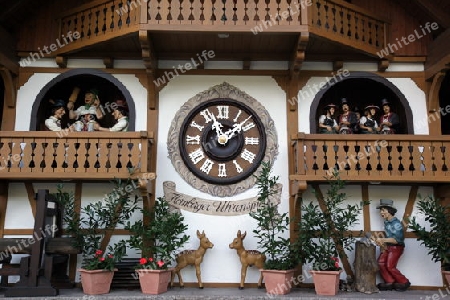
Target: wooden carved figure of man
(347, 119)
(88, 113)
(393, 245)
(368, 123)
(389, 121)
(327, 121)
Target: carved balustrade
(89, 156)
(214, 15)
(100, 20)
(372, 158)
(348, 24)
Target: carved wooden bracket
(10, 87)
(151, 65)
(433, 95)
(108, 62)
(337, 65)
(383, 65)
(61, 61)
(299, 54)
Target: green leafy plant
(324, 233)
(161, 237)
(271, 225)
(437, 237)
(91, 224)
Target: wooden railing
(77, 155)
(98, 21)
(347, 24)
(372, 158)
(228, 15)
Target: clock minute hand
(237, 127)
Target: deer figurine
(248, 258)
(192, 257)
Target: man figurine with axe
(392, 246)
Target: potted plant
(435, 236)
(271, 227)
(323, 236)
(91, 228)
(158, 242)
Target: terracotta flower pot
(154, 281)
(326, 282)
(278, 282)
(96, 282)
(446, 276)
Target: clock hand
(221, 137)
(237, 127)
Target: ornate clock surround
(215, 93)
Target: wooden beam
(10, 87)
(298, 55)
(108, 62)
(8, 57)
(338, 64)
(3, 205)
(61, 61)
(432, 9)
(383, 65)
(409, 206)
(31, 197)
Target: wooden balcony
(88, 156)
(372, 158)
(348, 24)
(175, 24)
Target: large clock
(218, 139)
(222, 141)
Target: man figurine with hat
(367, 123)
(392, 248)
(120, 113)
(327, 122)
(86, 114)
(389, 121)
(53, 123)
(348, 119)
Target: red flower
(160, 263)
(102, 259)
(143, 261)
(98, 252)
(110, 256)
(150, 259)
(336, 265)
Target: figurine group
(350, 122)
(87, 116)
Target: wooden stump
(366, 268)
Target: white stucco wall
(220, 264)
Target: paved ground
(248, 293)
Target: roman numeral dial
(222, 141)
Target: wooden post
(366, 268)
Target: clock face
(222, 141)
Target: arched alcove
(110, 89)
(362, 89)
(444, 103)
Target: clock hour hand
(221, 137)
(237, 127)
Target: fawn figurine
(192, 257)
(248, 258)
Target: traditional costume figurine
(389, 121)
(327, 122)
(53, 123)
(368, 123)
(87, 114)
(347, 119)
(120, 113)
(392, 245)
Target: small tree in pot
(271, 226)
(437, 237)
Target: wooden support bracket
(61, 61)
